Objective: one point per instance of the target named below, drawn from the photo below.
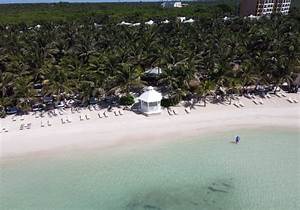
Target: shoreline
(131, 128)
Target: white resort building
(150, 101)
(171, 4)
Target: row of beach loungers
(25, 126)
(238, 104)
(291, 100)
(280, 94)
(172, 112)
(3, 130)
(65, 120)
(101, 115)
(258, 101)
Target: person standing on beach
(237, 139)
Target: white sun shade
(150, 95)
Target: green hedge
(167, 102)
(127, 100)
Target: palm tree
(127, 78)
(205, 88)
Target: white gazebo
(150, 101)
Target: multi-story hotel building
(283, 6)
(264, 7)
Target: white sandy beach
(130, 127)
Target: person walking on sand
(237, 139)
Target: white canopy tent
(150, 101)
(150, 22)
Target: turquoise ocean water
(208, 172)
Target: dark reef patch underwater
(207, 197)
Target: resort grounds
(90, 129)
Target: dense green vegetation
(30, 13)
(95, 57)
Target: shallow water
(262, 172)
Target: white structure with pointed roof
(150, 101)
(150, 22)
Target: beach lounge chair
(121, 112)
(261, 102)
(48, 123)
(13, 118)
(87, 117)
(22, 118)
(187, 110)
(22, 126)
(236, 105)
(170, 112)
(99, 115)
(42, 124)
(28, 126)
(295, 100)
(105, 114)
(256, 102)
(253, 96)
(278, 95)
(62, 121)
(268, 95)
(81, 118)
(5, 130)
(283, 94)
(175, 112)
(68, 120)
(241, 104)
(116, 113)
(290, 100)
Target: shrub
(167, 102)
(127, 100)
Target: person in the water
(237, 139)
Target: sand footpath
(114, 130)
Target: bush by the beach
(167, 102)
(127, 100)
